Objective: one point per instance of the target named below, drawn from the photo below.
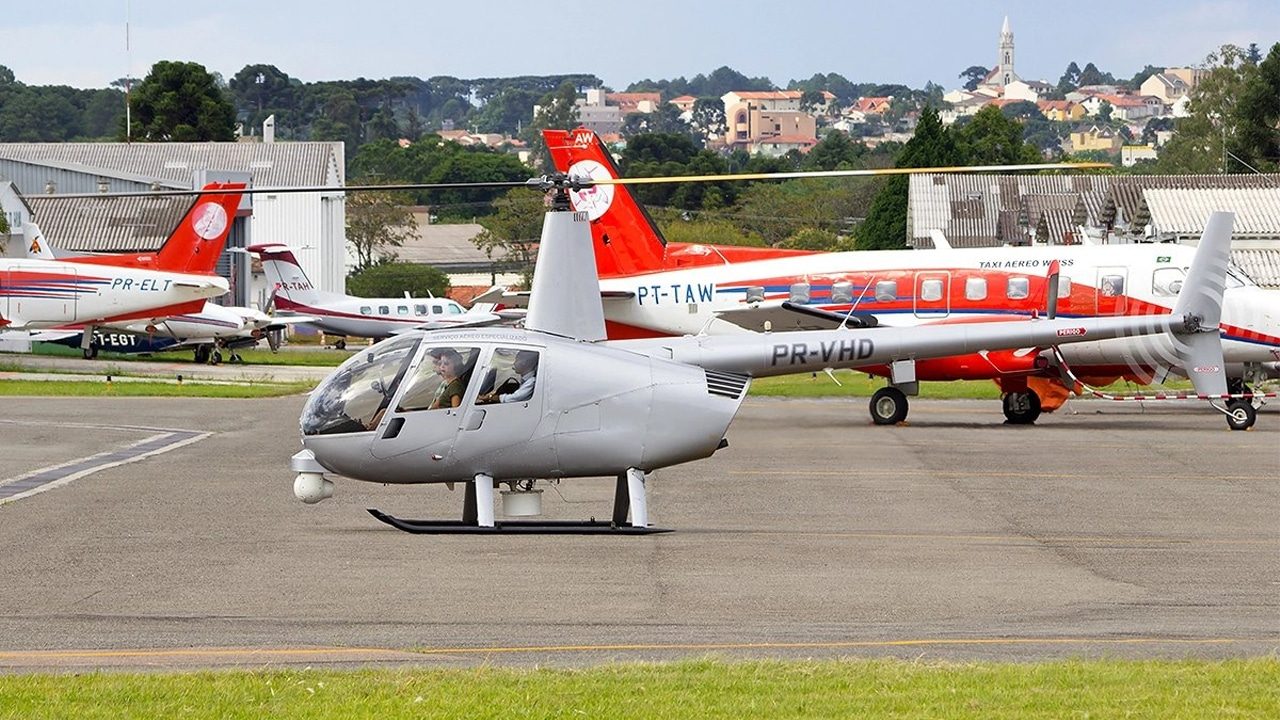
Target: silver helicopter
(510, 406)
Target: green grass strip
(92, 388)
(689, 689)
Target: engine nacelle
(312, 487)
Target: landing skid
(509, 527)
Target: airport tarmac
(1119, 531)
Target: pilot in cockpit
(525, 365)
(453, 370)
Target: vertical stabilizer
(626, 239)
(290, 287)
(1199, 348)
(565, 298)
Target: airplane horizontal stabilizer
(788, 316)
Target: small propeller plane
(351, 316)
(653, 288)
(490, 406)
(94, 290)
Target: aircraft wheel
(91, 352)
(341, 344)
(1241, 414)
(215, 358)
(888, 406)
(1021, 408)
(202, 354)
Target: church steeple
(1006, 74)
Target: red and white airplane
(94, 290)
(351, 316)
(653, 288)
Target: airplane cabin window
(842, 292)
(1064, 286)
(402, 310)
(1111, 285)
(366, 310)
(419, 309)
(1018, 288)
(436, 309)
(975, 288)
(1167, 281)
(384, 310)
(799, 293)
(511, 378)
(931, 290)
(440, 381)
(886, 291)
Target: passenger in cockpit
(455, 374)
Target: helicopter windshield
(355, 396)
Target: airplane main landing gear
(888, 406)
(1021, 408)
(1241, 413)
(91, 352)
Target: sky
(82, 43)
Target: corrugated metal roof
(1113, 202)
(109, 224)
(447, 245)
(275, 164)
(1184, 212)
(1261, 264)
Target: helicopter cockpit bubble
(354, 397)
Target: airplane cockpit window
(1167, 281)
(511, 377)
(887, 290)
(355, 396)
(1018, 289)
(441, 379)
(1237, 277)
(455, 309)
(975, 288)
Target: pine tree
(886, 225)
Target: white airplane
(653, 288)
(351, 316)
(90, 291)
(207, 332)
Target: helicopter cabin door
(425, 415)
(507, 405)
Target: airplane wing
(520, 299)
(467, 319)
(786, 315)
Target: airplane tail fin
(198, 241)
(290, 287)
(626, 239)
(1199, 345)
(37, 248)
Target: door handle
(474, 420)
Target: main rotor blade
(842, 173)
(303, 189)
(546, 183)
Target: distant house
(1096, 138)
(684, 103)
(1125, 107)
(627, 103)
(1022, 90)
(1061, 110)
(1169, 88)
(754, 118)
(779, 145)
(872, 105)
(1131, 155)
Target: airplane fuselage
(46, 294)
